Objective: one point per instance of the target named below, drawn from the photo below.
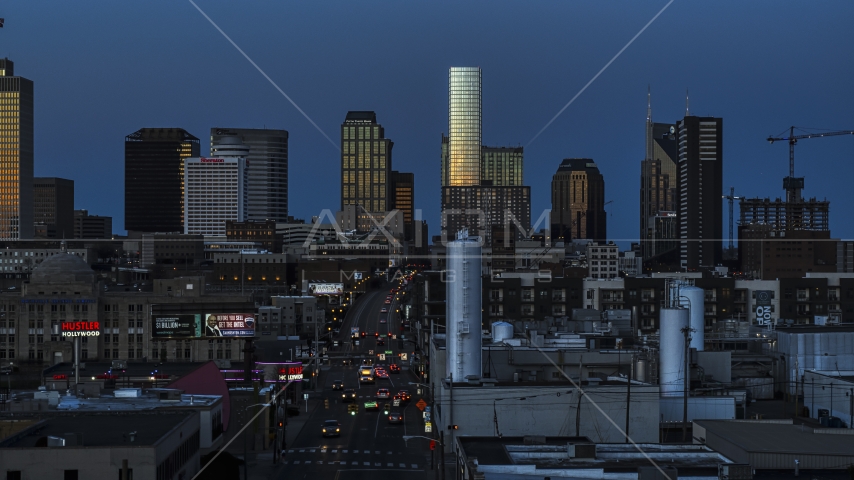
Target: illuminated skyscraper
(464, 124)
(16, 154)
(365, 164)
(578, 201)
(154, 178)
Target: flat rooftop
(759, 437)
(512, 451)
(100, 430)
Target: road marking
(389, 453)
(320, 462)
(332, 462)
(291, 451)
(296, 462)
(402, 465)
(367, 464)
(354, 463)
(334, 451)
(322, 450)
(312, 450)
(377, 452)
(345, 451)
(390, 465)
(302, 451)
(378, 464)
(414, 465)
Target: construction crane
(793, 185)
(731, 197)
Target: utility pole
(629, 396)
(687, 332)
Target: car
(372, 406)
(394, 368)
(349, 395)
(382, 374)
(366, 379)
(403, 395)
(382, 320)
(347, 361)
(380, 342)
(384, 310)
(331, 428)
(383, 393)
(388, 301)
(338, 385)
(395, 417)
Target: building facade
(700, 188)
(578, 201)
(464, 126)
(365, 163)
(403, 199)
(53, 207)
(215, 192)
(154, 178)
(16, 154)
(479, 208)
(92, 226)
(659, 187)
(502, 166)
(267, 169)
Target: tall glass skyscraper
(16, 154)
(464, 123)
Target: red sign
(290, 374)
(60, 376)
(80, 329)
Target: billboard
(80, 329)
(229, 325)
(326, 288)
(281, 372)
(176, 326)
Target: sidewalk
(261, 466)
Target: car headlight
(337, 429)
(324, 430)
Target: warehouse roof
(760, 437)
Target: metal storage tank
(696, 302)
(641, 369)
(463, 307)
(672, 351)
(501, 331)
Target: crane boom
(791, 184)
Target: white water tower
(463, 307)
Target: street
(368, 444)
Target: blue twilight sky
(103, 69)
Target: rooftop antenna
(648, 104)
(686, 103)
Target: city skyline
(518, 104)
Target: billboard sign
(326, 288)
(281, 372)
(763, 307)
(229, 325)
(176, 326)
(80, 329)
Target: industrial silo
(672, 351)
(693, 298)
(463, 307)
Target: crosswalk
(352, 458)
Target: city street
(368, 444)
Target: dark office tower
(700, 189)
(365, 164)
(446, 160)
(659, 198)
(154, 178)
(16, 154)
(403, 199)
(505, 207)
(53, 207)
(578, 201)
(501, 166)
(266, 169)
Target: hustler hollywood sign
(80, 329)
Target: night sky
(103, 69)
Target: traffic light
(453, 427)
(326, 403)
(352, 409)
(432, 444)
(281, 424)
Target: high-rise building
(215, 192)
(266, 169)
(53, 207)
(501, 166)
(481, 186)
(464, 124)
(365, 163)
(154, 178)
(16, 154)
(578, 201)
(659, 193)
(403, 199)
(700, 141)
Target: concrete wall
(44, 463)
(549, 410)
